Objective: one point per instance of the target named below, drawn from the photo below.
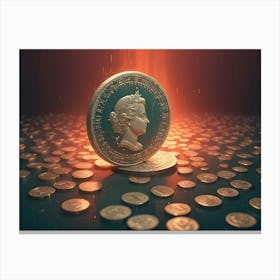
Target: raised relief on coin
(128, 118)
(42, 192)
(75, 205)
(208, 200)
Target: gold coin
(208, 200)
(184, 170)
(82, 174)
(228, 192)
(186, 184)
(100, 163)
(139, 180)
(207, 177)
(83, 165)
(23, 173)
(240, 220)
(142, 222)
(135, 198)
(241, 184)
(226, 174)
(75, 205)
(61, 170)
(245, 162)
(182, 224)
(47, 176)
(41, 192)
(177, 209)
(90, 186)
(115, 212)
(64, 185)
(255, 202)
(240, 169)
(162, 191)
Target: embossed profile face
(130, 120)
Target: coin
(125, 106)
(159, 162)
(184, 170)
(190, 153)
(90, 186)
(186, 184)
(41, 192)
(64, 185)
(135, 198)
(240, 220)
(83, 165)
(75, 205)
(52, 159)
(115, 212)
(244, 155)
(228, 192)
(61, 170)
(224, 165)
(82, 174)
(255, 202)
(139, 180)
(182, 162)
(23, 173)
(207, 177)
(240, 169)
(226, 174)
(208, 200)
(258, 170)
(100, 163)
(47, 176)
(241, 184)
(143, 222)
(245, 162)
(162, 191)
(177, 209)
(182, 224)
(35, 165)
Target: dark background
(196, 81)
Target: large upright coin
(128, 118)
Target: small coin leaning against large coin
(90, 186)
(64, 185)
(255, 202)
(208, 200)
(241, 184)
(162, 191)
(228, 192)
(182, 224)
(139, 180)
(226, 174)
(207, 177)
(177, 209)
(143, 222)
(240, 220)
(75, 205)
(42, 192)
(115, 212)
(135, 198)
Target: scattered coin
(182, 162)
(240, 169)
(255, 202)
(182, 224)
(177, 209)
(240, 220)
(199, 164)
(64, 185)
(83, 165)
(135, 198)
(35, 165)
(225, 174)
(82, 174)
(244, 155)
(241, 184)
(208, 200)
(42, 192)
(162, 191)
(61, 170)
(184, 170)
(228, 192)
(258, 170)
(115, 212)
(190, 153)
(23, 173)
(139, 180)
(224, 165)
(207, 177)
(52, 159)
(143, 222)
(100, 163)
(47, 176)
(245, 162)
(75, 205)
(90, 186)
(186, 184)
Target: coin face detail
(177, 209)
(228, 192)
(82, 174)
(135, 198)
(115, 212)
(64, 185)
(255, 202)
(139, 180)
(182, 224)
(142, 222)
(208, 200)
(90, 186)
(241, 184)
(226, 174)
(186, 184)
(240, 220)
(42, 192)
(75, 205)
(162, 191)
(207, 177)
(128, 118)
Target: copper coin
(47, 176)
(115, 212)
(135, 198)
(143, 222)
(75, 205)
(240, 220)
(208, 200)
(177, 209)
(139, 179)
(186, 184)
(184, 170)
(64, 185)
(255, 202)
(228, 192)
(162, 191)
(41, 192)
(226, 174)
(83, 165)
(23, 173)
(207, 177)
(82, 174)
(241, 184)
(182, 224)
(90, 186)
(240, 169)
(245, 162)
